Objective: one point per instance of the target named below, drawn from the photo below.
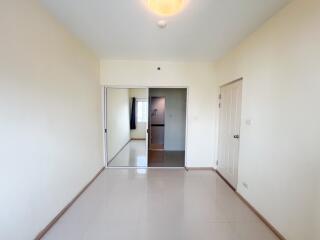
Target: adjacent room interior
(167, 127)
(145, 127)
(126, 127)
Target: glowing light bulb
(166, 7)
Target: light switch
(248, 122)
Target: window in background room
(142, 110)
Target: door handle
(236, 136)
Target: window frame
(143, 100)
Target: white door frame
(105, 127)
(218, 131)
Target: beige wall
(50, 115)
(201, 108)
(118, 120)
(279, 156)
(140, 131)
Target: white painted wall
(279, 155)
(118, 120)
(140, 131)
(201, 109)
(50, 118)
(175, 117)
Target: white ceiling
(125, 29)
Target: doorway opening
(229, 131)
(126, 121)
(145, 127)
(167, 127)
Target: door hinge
(217, 163)
(219, 105)
(220, 96)
(105, 130)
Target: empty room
(159, 119)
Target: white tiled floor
(140, 204)
(134, 154)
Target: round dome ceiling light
(166, 7)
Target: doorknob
(236, 136)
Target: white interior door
(229, 131)
(105, 137)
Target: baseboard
(256, 212)
(59, 215)
(262, 218)
(138, 139)
(199, 168)
(225, 180)
(108, 162)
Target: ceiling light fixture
(166, 7)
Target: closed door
(229, 131)
(157, 122)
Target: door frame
(105, 127)
(218, 132)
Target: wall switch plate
(248, 122)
